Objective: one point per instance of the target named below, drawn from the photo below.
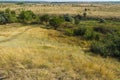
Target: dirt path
(15, 36)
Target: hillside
(30, 52)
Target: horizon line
(59, 1)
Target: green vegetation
(27, 17)
(2, 19)
(102, 21)
(8, 16)
(68, 18)
(56, 22)
(77, 21)
(104, 36)
(37, 46)
(45, 18)
(109, 44)
(19, 3)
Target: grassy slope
(34, 53)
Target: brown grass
(95, 10)
(41, 54)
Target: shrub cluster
(87, 33)
(108, 46)
(56, 22)
(105, 29)
(105, 40)
(45, 18)
(7, 16)
(28, 17)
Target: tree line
(29, 17)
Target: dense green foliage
(77, 21)
(56, 22)
(108, 46)
(3, 19)
(109, 43)
(87, 33)
(80, 31)
(8, 16)
(27, 17)
(105, 39)
(45, 18)
(105, 29)
(68, 18)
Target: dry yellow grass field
(96, 10)
(29, 52)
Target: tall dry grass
(39, 54)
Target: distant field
(95, 10)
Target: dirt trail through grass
(34, 53)
(14, 36)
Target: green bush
(80, 31)
(68, 18)
(10, 16)
(108, 46)
(99, 48)
(104, 29)
(45, 18)
(27, 16)
(3, 19)
(36, 20)
(102, 21)
(56, 22)
(87, 33)
(77, 21)
(69, 32)
(91, 35)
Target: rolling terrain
(30, 52)
(59, 41)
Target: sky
(60, 0)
